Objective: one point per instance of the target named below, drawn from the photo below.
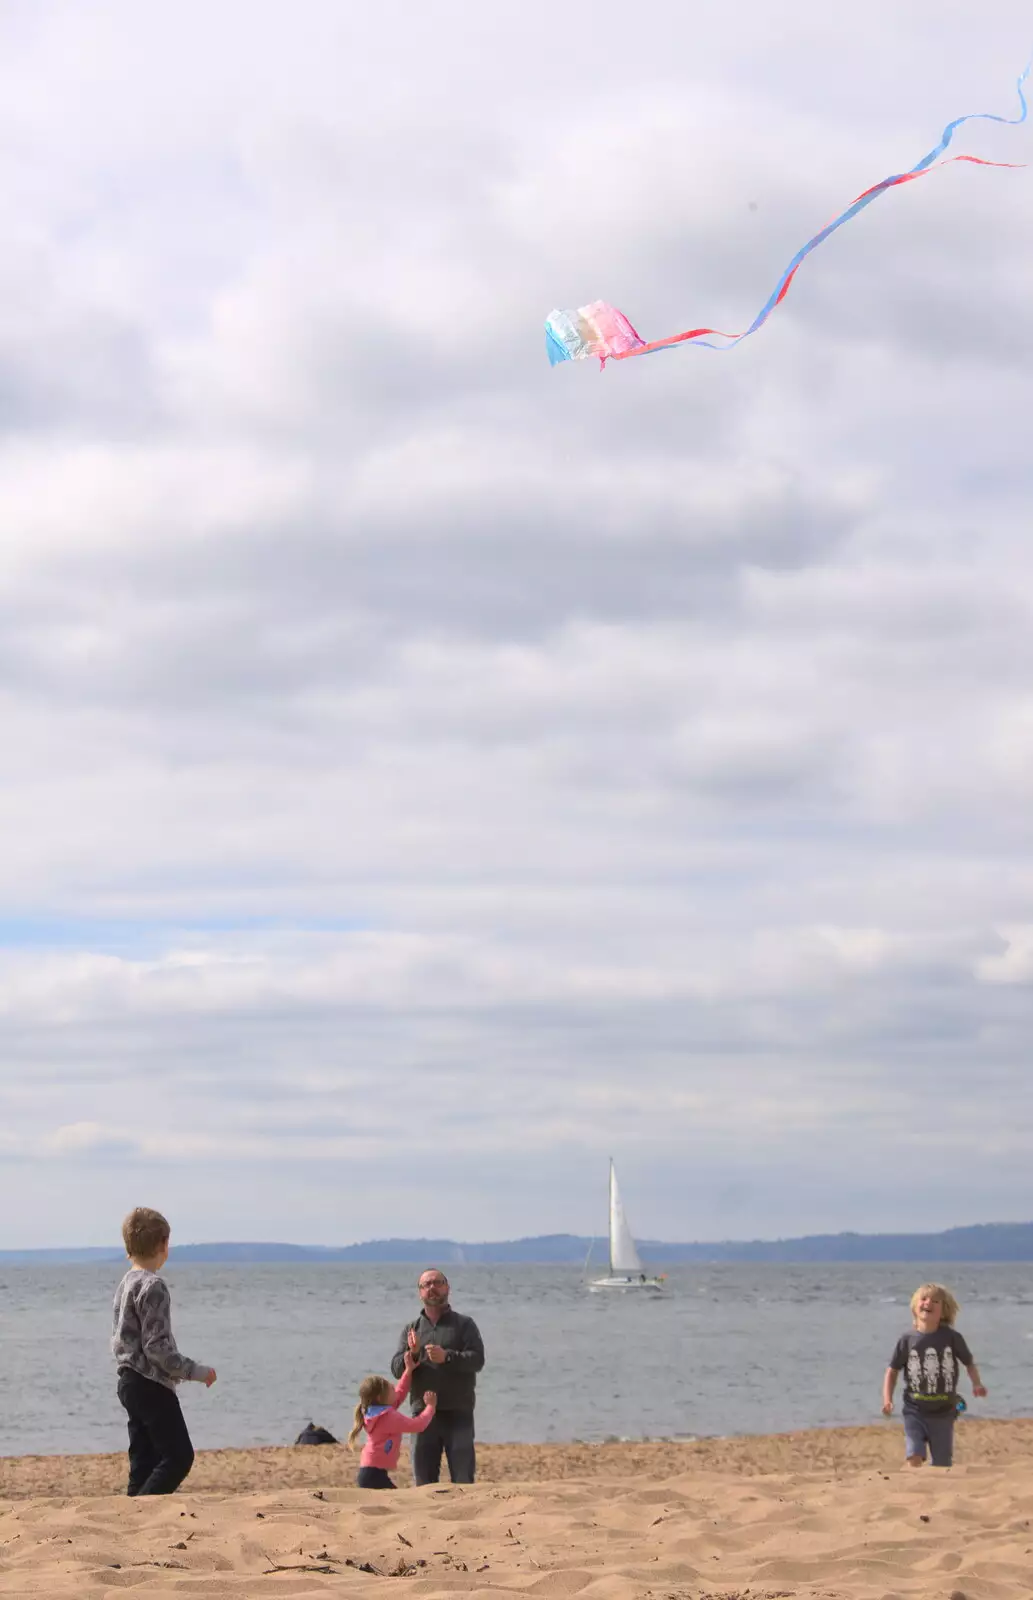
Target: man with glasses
(449, 1354)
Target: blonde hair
(373, 1391)
(144, 1232)
(948, 1304)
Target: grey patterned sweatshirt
(141, 1333)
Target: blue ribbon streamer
(866, 200)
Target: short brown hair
(144, 1232)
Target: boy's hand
(409, 1361)
(979, 1390)
(887, 1408)
(210, 1378)
(430, 1398)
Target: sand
(825, 1515)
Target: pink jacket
(385, 1426)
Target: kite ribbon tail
(675, 338)
(851, 211)
(978, 116)
(782, 288)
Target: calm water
(729, 1349)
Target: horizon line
(482, 1244)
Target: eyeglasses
(433, 1283)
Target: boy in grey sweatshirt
(149, 1365)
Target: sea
(726, 1349)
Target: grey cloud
(102, 378)
(669, 728)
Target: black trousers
(160, 1452)
(451, 1432)
(373, 1478)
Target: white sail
(623, 1254)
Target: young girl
(377, 1412)
(931, 1358)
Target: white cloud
(90, 1139)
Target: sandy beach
(825, 1514)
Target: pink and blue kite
(603, 331)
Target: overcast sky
(423, 773)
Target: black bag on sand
(313, 1435)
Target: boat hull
(626, 1286)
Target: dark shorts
(935, 1431)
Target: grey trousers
(451, 1432)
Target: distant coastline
(991, 1241)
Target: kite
(601, 330)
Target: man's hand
(887, 1408)
(434, 1353)
(979, 1390)
(210, 1378)
(414, 1344)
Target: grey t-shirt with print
(141, 1333)
(931, 1363)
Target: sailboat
(625, 1267)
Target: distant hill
(989, 1241)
